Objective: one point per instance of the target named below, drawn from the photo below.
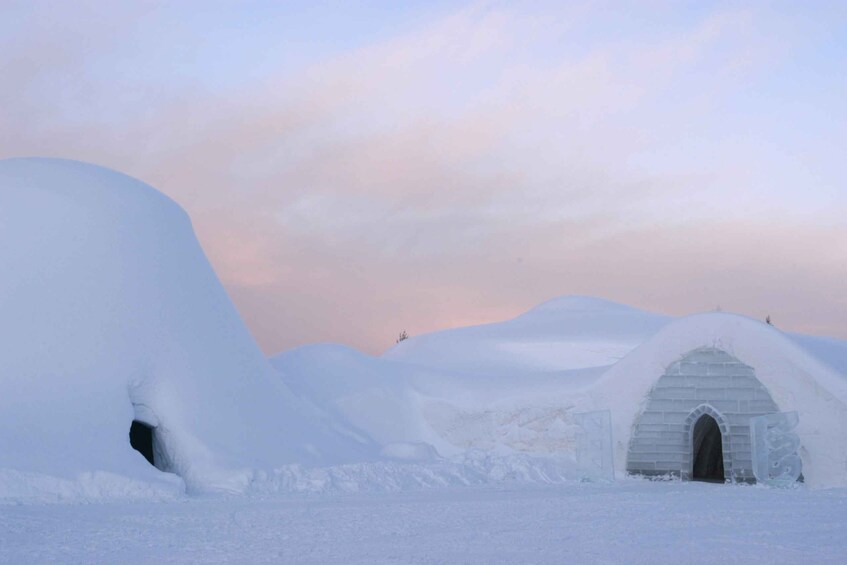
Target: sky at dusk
(355, 169)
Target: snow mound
(377, 398)
(111, 313)
(417, 413)
(571, 332)
(588, 304)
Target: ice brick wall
(705, 381)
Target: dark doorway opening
(707, 450)
(141, 439)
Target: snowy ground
(631, 521)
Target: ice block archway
(705, 381)
(710, 445)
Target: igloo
(696, 422)
(683, 402)
(112, 320)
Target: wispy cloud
(467, 169)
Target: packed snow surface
(630, 522)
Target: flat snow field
(631, 521)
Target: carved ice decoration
(594, 445)
(775, 444)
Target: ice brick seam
(704, 381)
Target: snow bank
(109, 312)
(411, 410)
(472, 468)
(506, 388)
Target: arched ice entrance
(705, 381)
(709, 459)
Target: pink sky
(460, 164)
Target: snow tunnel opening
(141, 439)
(707, 451)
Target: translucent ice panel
(594, 445)
(774, 448)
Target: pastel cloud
(478, 164)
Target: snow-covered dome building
(111, 320)
(682, 402)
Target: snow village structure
(126, 371)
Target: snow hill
(571, 332)
(506, 387)
(109, 313)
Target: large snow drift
(515, 386)
(110, 312)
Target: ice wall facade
(706, 381)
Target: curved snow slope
(110, 311)
(571, 332)
(371, 394)
(795, 379)
(828, 350)
(406, 407)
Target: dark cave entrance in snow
(707, 451)
(141, 439)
